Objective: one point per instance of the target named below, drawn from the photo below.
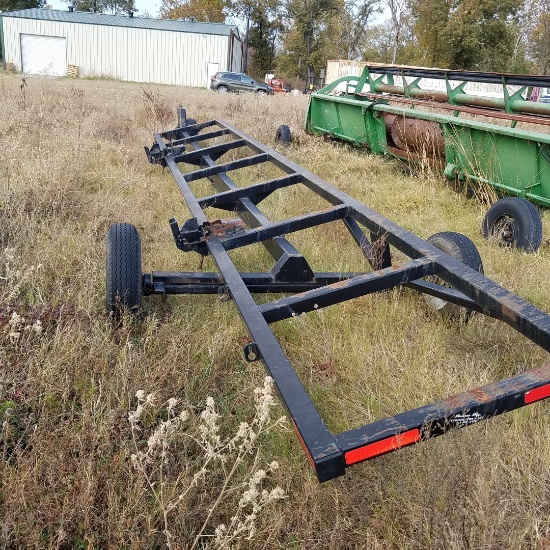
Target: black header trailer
(200, 147)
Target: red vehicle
(275, 83)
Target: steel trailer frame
(329, 454)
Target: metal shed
(139, 49)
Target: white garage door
(44, 54)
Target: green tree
(540, 41)
(399, 10)
(265, 28)
(211, 11)
(378, 43)
(307, 43)
(14, 5)
(262, 26)
(537, 34)
(481, 34)
(432, 17)
(467, 34)
(355, 18)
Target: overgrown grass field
(108, 438)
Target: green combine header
(450, 120)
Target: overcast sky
(150, 6)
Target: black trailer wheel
(463, 249)
(514, 222)
(123, 269)
(283, 134)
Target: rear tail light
(537, 394)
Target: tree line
(297, 37)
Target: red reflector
(537, 394)
(383, 446)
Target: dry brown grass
(72, 164)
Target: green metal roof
(89, 18)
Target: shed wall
(140, 55)
(237, 56)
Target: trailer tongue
(200, 146)
(455, 130)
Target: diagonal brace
(286, 226)
(348, 289)
(252, 192)
(223, 168)
(215, 151)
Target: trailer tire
(461, 248)
(283, 134)
(124, 279)
(514, 222)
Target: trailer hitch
(193, 236)
(157, 156)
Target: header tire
(514, 222)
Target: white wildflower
(16, 320)
(245, 435)
(257, 477)
(135, 461)
(140, 395)
(264, 401)
(220, 531)
(155, 439)
(172, 403)
(277, 494)
(248, 497)
(207, 433)
(243, 430)
(135, 416)
(37, 327)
